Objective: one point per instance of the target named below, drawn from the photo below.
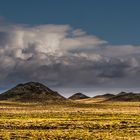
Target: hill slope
(106, 96)
(130, 97)
(31, 92)
(121, 97)
(78, 96)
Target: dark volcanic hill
(31, 92)
(78, 96)
(129, 97)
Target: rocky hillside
(31, 92)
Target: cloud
(62, 56)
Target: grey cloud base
(62, 56)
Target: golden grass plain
(81, 120)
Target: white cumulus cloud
(63, 56)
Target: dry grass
(89, 121)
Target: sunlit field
(76, 120)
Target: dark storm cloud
(61, 56)
(3, 38)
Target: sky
(89, 46)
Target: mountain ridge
(124, 96)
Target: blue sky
(116, 21)
(70, 44)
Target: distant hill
(106, 96)
(123, 96)
(31, 92)
(99, 98)
(78, 96)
